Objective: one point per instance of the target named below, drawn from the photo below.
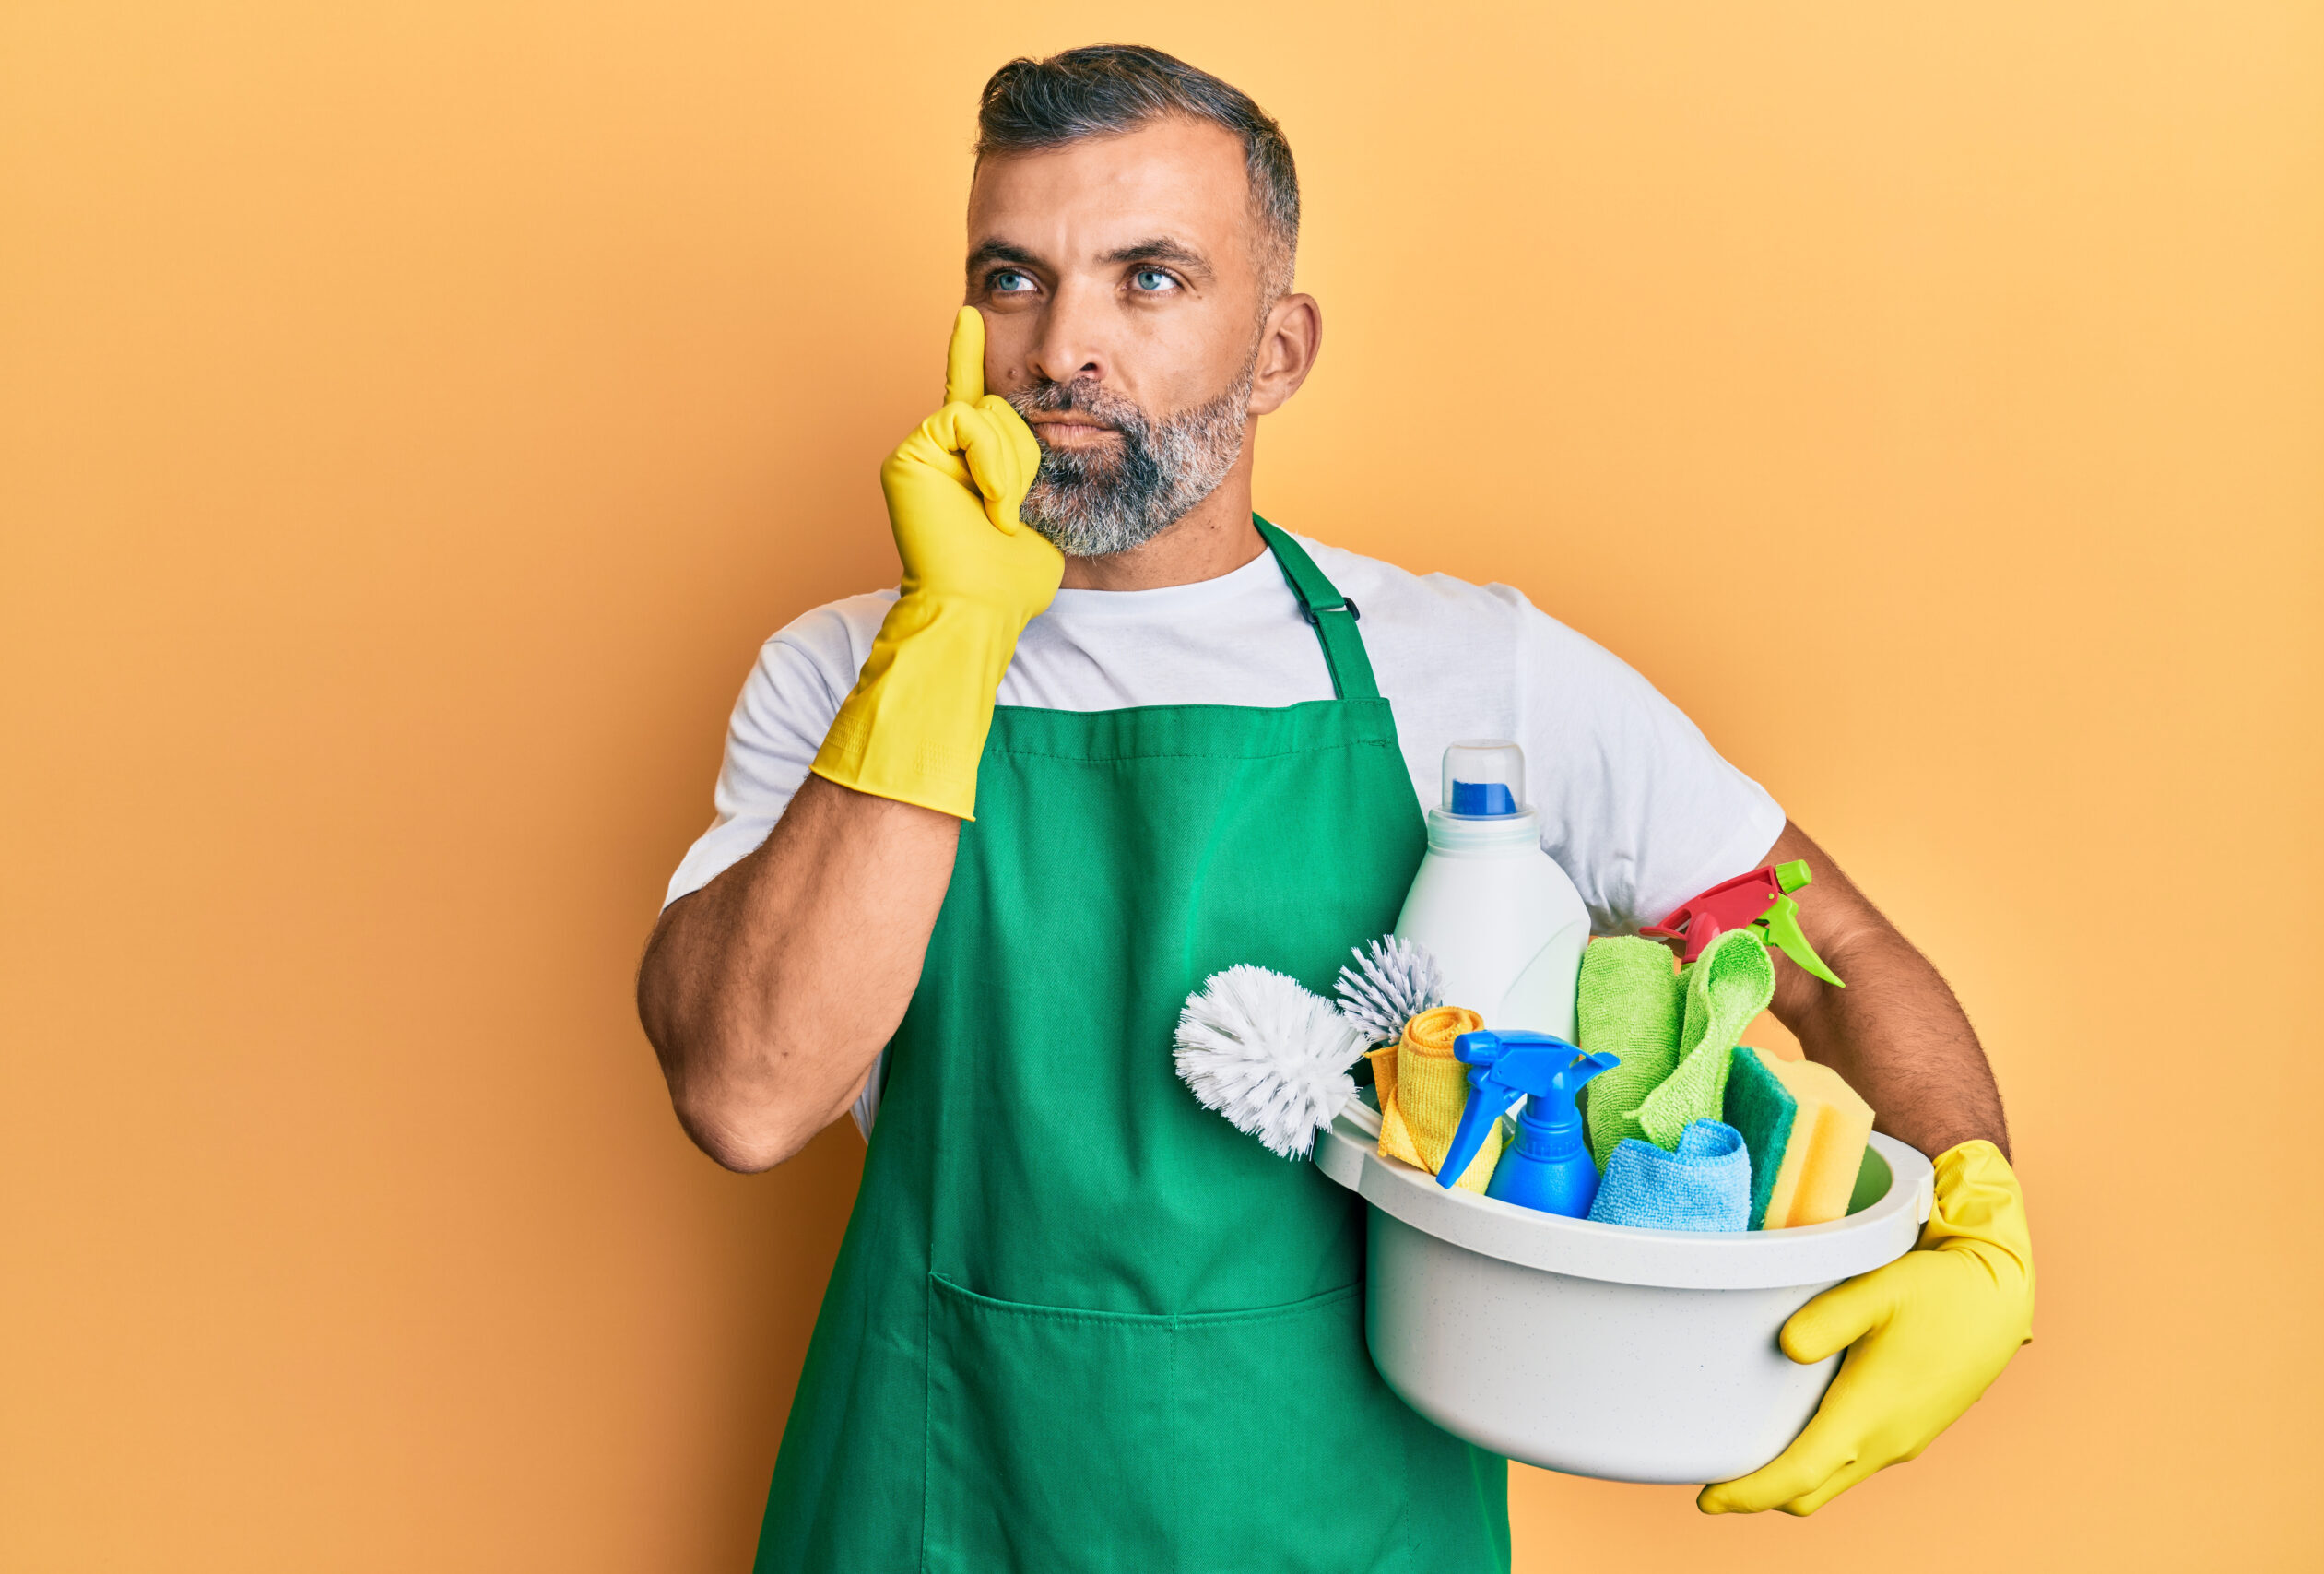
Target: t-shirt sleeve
(787, 706)
(1636, 806)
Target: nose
(1071, 343)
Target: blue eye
(1152, 280)
(1008, 281)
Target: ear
(1290, 340)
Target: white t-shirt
(1636, 805)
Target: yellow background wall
(412, 417)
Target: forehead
(1178, 176)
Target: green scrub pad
(1730, 984)
(1627, 1004)
(1804, 1162)
(1762, 1108)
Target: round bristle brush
(1393, 981)
(1268, 1054)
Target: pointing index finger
(965, 363)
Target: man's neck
(1217, 538)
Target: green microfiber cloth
(1627, 1004)
(1730, 984)
(1762, 1108)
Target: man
(1078, 1323)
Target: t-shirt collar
(1257, 574)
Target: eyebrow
(1000, 252)
(1159, 249)
(1163, 249)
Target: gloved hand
(974, 577)
(1929, 1332)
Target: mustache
(1083, 396)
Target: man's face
(1120, 281)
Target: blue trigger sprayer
(1549, 1167)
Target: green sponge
(1730, 984)
(1627, 1004)
(1762, 1108)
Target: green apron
(1079, 1323)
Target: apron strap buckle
(1342, 643)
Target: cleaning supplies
(1806, 1130)
(1268, 1054)
(1762, 897)
(1501, 918)
(1629, 1355)
(1550, 1167)
(1729, 985)
(1423, 1097)
(1703, 1184)
(1393, 981)
(1630, 1004)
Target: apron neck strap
(1333, 615)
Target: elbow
(748, 1141)
(742, 1090)
(747, 1108)
(743, 1153)
(727, 1093)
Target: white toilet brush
(1269, 1055)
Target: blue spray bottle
(1549, 1167)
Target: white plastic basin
(1595, 1349)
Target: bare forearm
(768, 992)
(1895, 1033)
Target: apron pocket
(1288, 1442)
(1061, 1439)
(1049, 1438)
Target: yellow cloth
(974, 577)
(1925, 1337)
(1421, 1099)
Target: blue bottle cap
(1485, 778)
(1482, 798)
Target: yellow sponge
(1826, 1146)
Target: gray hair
(1107, 88)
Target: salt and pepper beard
(1092, 503)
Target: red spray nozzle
(1762, 896)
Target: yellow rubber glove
(974, 577)
(1928, 1333)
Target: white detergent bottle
(1506, 925)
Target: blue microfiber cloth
(1706, 1185)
